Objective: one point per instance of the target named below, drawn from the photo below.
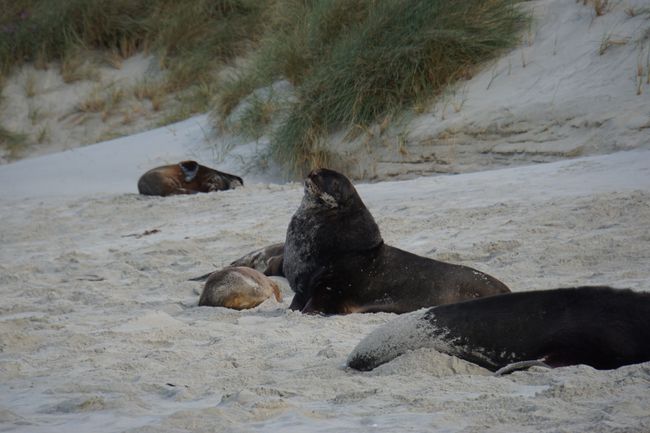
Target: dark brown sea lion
(239, 288)
(186, 177)
(597, 326)
(337, 263)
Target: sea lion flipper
(276, 292)
(521, 365)
(201, 277)
(297, 303)
(309, 307)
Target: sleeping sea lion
(267, 260)
(597, 326)
(336, 261)
(186, 177)
(238, 288)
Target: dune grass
(352, 62)
(349, 62)
(196, 32)
(13, 143)
(191, 39)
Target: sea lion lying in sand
(186, 177)
(239, 288)
(267, 260)
(337, 263)
(597, 326)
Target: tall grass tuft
(352, 62)
(12, 142)
(190, 37)
(43, 27)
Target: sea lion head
(330, 189)
(190, 169)
(209, 179)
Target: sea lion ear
(190, 169)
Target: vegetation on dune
(191, 39)
(352, 62)
(187, 34)
(12, 141)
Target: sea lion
(337, 263)
(239, 288)
(186, 177)
(597, 326)
(267, 260)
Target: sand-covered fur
(239, 288)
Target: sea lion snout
(323, 184)
(310, 187)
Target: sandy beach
(101, 330)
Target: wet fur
(186, 177)
(598, 326)
(336, 261)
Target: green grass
(13, 142)
(191, 39)
(50, 29)
(256, 116)
(352, 62)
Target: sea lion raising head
(186, 177)
(329, 189)
(336, 261)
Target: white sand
(101, 332)
(99, 329)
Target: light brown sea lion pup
(186, 177)
(239, 288)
